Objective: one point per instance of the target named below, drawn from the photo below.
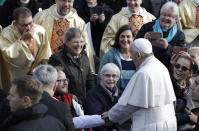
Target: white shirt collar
(24, 1)
(146, 61)
(129, 59)
(66, 16)
(137, 13)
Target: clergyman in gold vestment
(59, 18)
(23, 46)
(133, 14)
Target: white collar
(129, 59)
(66, 16)
(24, 1)
(197, 1)
(92, 6)
(146, 61)
(137, 13)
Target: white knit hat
(143, 45)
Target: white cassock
(148, 99)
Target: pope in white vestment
(148, 98)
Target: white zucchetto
(143, 45)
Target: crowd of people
(99, 65)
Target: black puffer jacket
(76, 70)
(32, 119)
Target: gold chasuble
(60, 26)
(189, 20)
(18, 58)
(120, 19)
(55, 30)
(136, 22)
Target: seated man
(79, 119)
(62, 94)
(27, 114)
(23, 45)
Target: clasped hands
(95, 17)
(106, 119)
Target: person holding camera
(98, 14)
(163, 33)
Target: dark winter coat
(32, 119)
(181, 103)
(76, 70)
(59, 110)
(99, 101)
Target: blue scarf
(172, 31)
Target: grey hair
(193, 48)
(71, 33)
(47, 75)
(135, 49)
(171, 6)
(110, 67)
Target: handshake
(104, 116)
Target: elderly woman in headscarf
(168, 37)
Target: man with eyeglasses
(163, 33)
(24, 45)
(63, 95)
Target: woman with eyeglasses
(72, 57)
(180, 76)
(105, 95)
(119, 54)
(164, 33)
